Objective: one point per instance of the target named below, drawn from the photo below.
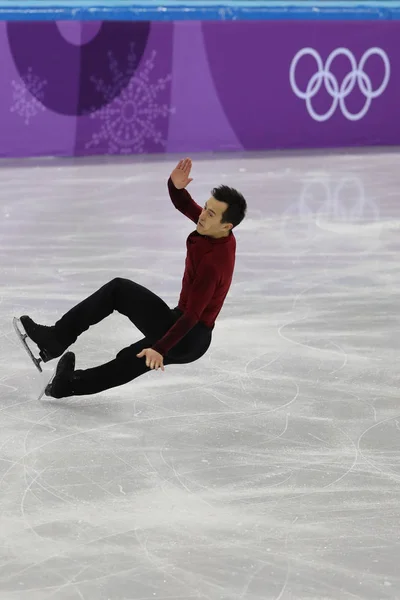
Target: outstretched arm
(181, 199)
(202, 291)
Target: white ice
(269, 469)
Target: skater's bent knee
(119, 281)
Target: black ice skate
(60, 384)
(42, 336)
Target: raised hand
(180, 175)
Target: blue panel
(206, 10)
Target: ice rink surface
(269, 469)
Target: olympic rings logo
(338, 93)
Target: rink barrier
(121, 77)
(198, 10)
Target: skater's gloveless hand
(154, 359)
(180, 175)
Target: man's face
(209, 222)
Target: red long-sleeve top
(207, 278)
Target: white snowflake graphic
(27, 96)
(130, 119)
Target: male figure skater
(171, 336)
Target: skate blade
(49, 380)
(22, 337)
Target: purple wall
(131, 87)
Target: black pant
(148, 313)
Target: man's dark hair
(237, 206)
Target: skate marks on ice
(268, 470)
